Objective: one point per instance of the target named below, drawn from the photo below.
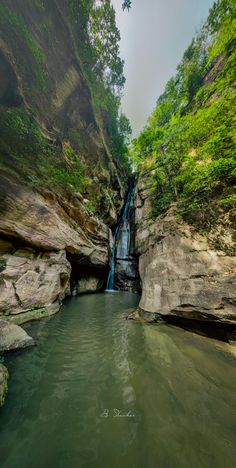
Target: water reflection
(179, 389)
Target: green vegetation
(59, 161)
(126, 5)
(25, 151)
(188, 145)
(97, 38)
(90, 208)
(18, 34)
(3, 383)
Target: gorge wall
(62, 187)
(54, 238)
(186, 280)
(186, 191)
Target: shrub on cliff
(190, 137)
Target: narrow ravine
(117, 235)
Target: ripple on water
(178, 388)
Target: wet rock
(126, 262)
(3, 383)
(33, 314)
(13, 337)
(127, 275)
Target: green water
(175, 392)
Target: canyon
(117, 255)
(53, 243)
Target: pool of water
(102, 392)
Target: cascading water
(123, 235)
(111, 276)
(124, 271)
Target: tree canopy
(189, 140)
(126, 5)
(98, 38)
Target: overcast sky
(154, 35)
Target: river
(99, 391)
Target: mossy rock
(3, 383)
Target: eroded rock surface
(13, 337)
(182, 275)
(30, 280)
(43, 223)
(42, 230)
(49, 222)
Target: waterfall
(111, 276)
(122, 246)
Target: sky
(154, 36)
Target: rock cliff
(54, 239)
(185, 279)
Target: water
(180, 387)
(111, 276)
(121, 242)
(123, 235)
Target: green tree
(126, 5)
(188, 144)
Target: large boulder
(32, 280)
(13, 337)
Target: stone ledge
(33, 314)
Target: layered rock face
(183, 277)
(51, 245)
(40, 71)
(42, 231)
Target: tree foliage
(126, 5)
(98, 39)
(190, 137)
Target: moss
(3, 384)
(75, 137)
(23, 147)
(16, 29)
(90, 208)
(33, 314)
